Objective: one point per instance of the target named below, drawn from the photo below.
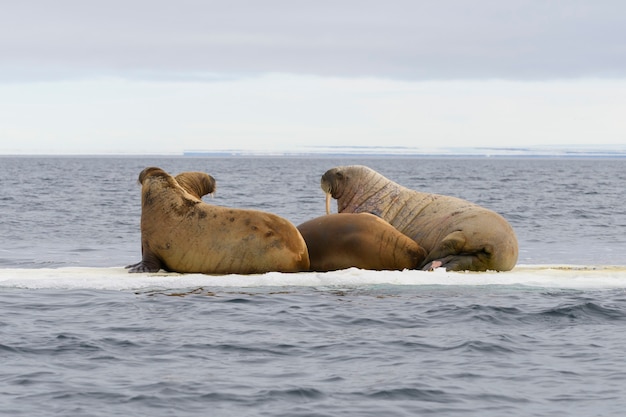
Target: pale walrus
(456, 234)
(361, 240)
(181, 233)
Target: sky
(164, 77)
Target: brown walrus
(181, 233)
(456, 234)
(361, 240)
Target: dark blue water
(359, 352)
(285, 350)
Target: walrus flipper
(452, 255)
(455, 263)
(149, 263)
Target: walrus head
(197, 184)
(337, 180)
(330, 185)
(150, 171)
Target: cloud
(279, 112)
(402, 39)
(156, 76)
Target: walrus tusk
(328, 197)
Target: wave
(118, 278)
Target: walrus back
(485, 233)
(218, 240)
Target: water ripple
(585, 311)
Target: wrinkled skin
(456, 234)
(361, 240)
(181, 233)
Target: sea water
(80, 336)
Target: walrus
(456, 234)
(361, 240)
(181, 233)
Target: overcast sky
(146, 76)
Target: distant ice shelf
(573, 151)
